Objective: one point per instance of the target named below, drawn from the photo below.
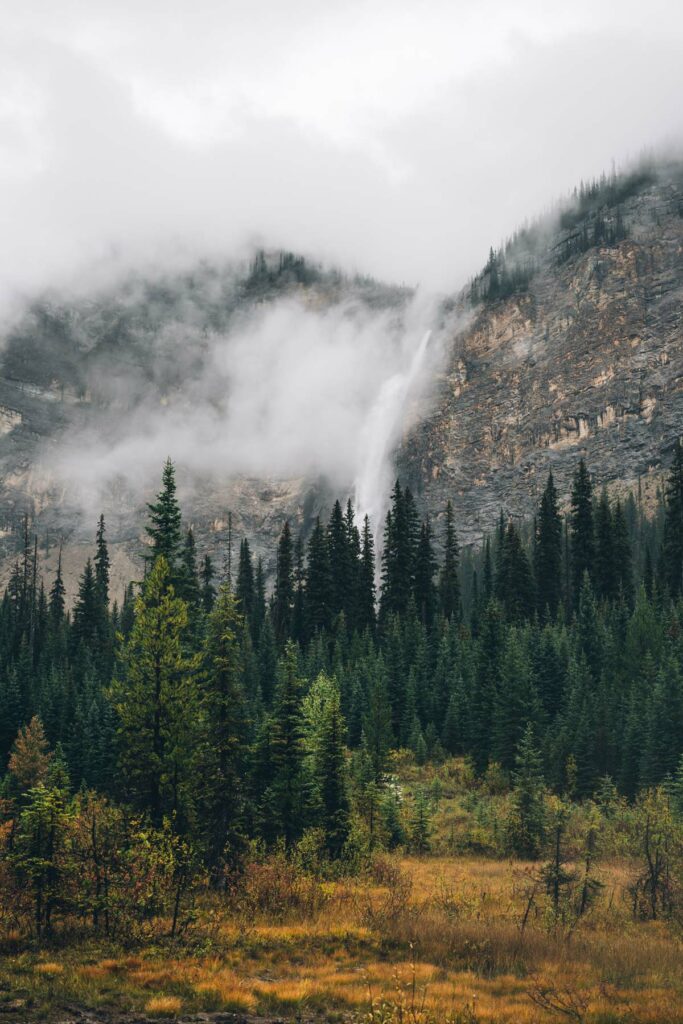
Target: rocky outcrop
(588, 362)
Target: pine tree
(514, 579)
(283, 597)
(86, 616)
(582, 529)
(188, 578)
(623, 561)
(102, 564)
(420, 824)
(286, 795)
(605, 567)
(223, 740)
(526, 828)
(208, 589)
(426, 594)
(401, 535)
(244, 589)
(548, 552)
(324, 732)
(319, 590)
(367, 589)
(156, 701)
(58, 593)
(299, 629)
(377, 732)
(671, 560)
(449, 584)
(164, 529)
(340, 567)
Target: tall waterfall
(382, 430)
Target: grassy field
(452, 937)
(419, 939)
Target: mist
(287, 391)
(398, 139)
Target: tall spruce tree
(223, 743)
(283, 596)
(582, 530)
(366, 586)
(156, 701)
(426, 567)
(671, 561)
(449, 583)
(164, 528)
(548, 552)
(319, 588)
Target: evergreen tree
(514, 580)
(319, 589)
(58, 593)
(548, 552)
(156, 701)
(672, 545)
(582, 529)
(621, 547)
(208, 589)
(245, 581)
(605, 568)
(285, 798)
(188, 578)
(426, 594)
(401, 534)
(283, 597)
(164, 528)
(449, 584)
(367, 590)
(223, 741)
(102, 564)
(526, 828)
(324, 733)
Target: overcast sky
(396, 137)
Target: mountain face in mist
(584, 358)
(255, 379)
(263, 382)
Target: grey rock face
(588, 362)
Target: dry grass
(164, 1006)
(427, 939)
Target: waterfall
(380, 433)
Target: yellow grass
(49, 968)
(445, 941)
(166, 1006)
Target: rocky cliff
(586, 361)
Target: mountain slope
(587, 360)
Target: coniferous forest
(202, 716)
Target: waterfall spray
(379, 436)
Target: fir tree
(548, 552)
(526, 828)
(672, 545)
(208, 590)
(449, 584)
(426, 595)
(367, 590)
(164, 528)
(582, 529)
(156, 701)
(223, 741)
(283, 597)
(102, 565)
